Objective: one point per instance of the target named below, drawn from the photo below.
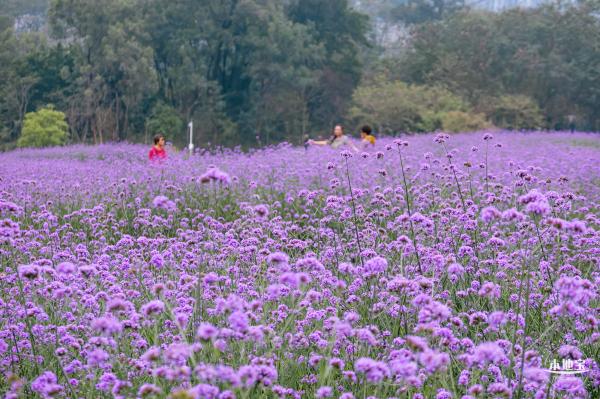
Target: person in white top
(337, 140)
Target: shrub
(514, 112)
(165, 119)
(459, 121)
(43, 128)
(397, 107)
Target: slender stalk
(453, 169)
(514, 337)
(537, 229)
(354, 213)
(28, 328)
(471, 186)
(67, 383)
(407, 199)
(520, 384)
(486, 166)
(337, 260)
(16, 346)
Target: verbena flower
(153, 307)
(46, 385)
(214, 174)
(570, 387)
(28, 271)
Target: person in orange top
(157, 152)
(366, 136)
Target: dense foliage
(434, 268)
(395, 106)
(263, 71)
(547, 54)
(240, 69)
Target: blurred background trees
(263, 71)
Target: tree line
(257, 72)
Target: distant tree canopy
(270, 70)
(241, 69)
(548, 56)
(15, 8)
(420, 11)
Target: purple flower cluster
(46, 385)
(214, 174)
(162, 202)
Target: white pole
(191, 145)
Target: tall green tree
(7, 71)
(116, 70)
(283, 80)
(342, 32)
(17, 79)
(234, 64)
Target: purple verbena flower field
(439, 267)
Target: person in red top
(157, 152)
